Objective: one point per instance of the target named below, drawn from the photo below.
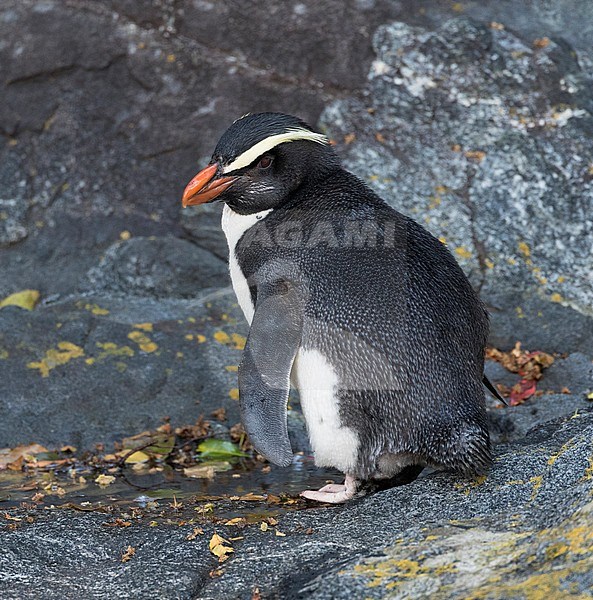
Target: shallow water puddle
(268, 490)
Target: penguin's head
(259, 161)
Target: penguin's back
(391, 315)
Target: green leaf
(162, 445)
(215, 449)
(47, 456)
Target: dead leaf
(522, 391)
(251, 497)
(349, 138)
(236, 521)
(541, 42)
(128, 553)
(280, 534)
(8, 457)
(26, 299)
(104, 480)
(118, 523)
(194, 534)
(218, 548)
(264, 526)
(200, 472)
(530, 365)
(194, 432)
(477, 155)
(137, 457)
(380, 138)
(219, 414)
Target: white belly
(234, 226)
(334, 445)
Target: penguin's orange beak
(204, 188)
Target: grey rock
(487, 141)
(158, 267)
(202, 226)
(576, 369)
(523, 527)
(498, 374)
(13, 201)
(332, 37)
(511, 424)
(99, 368)
(110, 107)
(102, 123)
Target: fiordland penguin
(367, 313)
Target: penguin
(361, 308)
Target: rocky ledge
(481, 129)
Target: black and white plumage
(365, 311)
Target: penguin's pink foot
(334, 493)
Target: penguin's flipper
(264, 372)
(492, 389)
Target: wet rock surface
(524, 528)
(109, 108)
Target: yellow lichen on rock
(143, 326)
(95, 309)
(463, 252)
(537, 483)
(239, 341)
(55, 357)
(110, 349)
(478, 564)
(524, 249)
(144, 342)
(234, 340)
(221, 337)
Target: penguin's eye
(265, 162)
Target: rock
(512, 423)
(202, 226)
(333, 37)
(576, 369)
(103, 121)
(486, 140)
(160, 268)
(99, 368)
(525, 527)
(109, 108)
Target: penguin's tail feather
(466, 450)
(492, 389)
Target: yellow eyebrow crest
(265, 145)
